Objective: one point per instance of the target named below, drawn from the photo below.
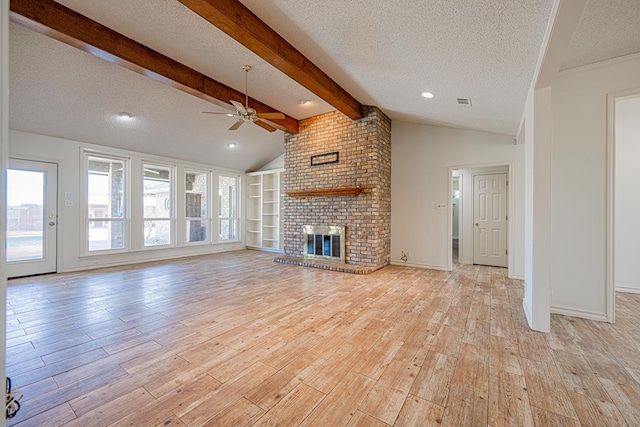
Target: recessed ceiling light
(232, 145)
(304, 101)
(123, 115)
(427, 95)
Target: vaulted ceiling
(382, 53)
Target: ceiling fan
(244, 113)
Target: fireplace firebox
(324, 242)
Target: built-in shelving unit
(264, 210)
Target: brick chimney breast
(364, 153)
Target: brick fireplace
(363, 150)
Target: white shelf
(264, 203)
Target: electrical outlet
(68, 194)
(68, 202)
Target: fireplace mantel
(327, 192)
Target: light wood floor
(235, 339)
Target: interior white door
(32, 218)
(490, 219)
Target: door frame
(510, 209)
(610, 288)
(56, 243)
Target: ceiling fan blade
(239, 107)
(264, 125)
(236, 125)
(271, 116)
(215, 112)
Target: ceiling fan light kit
(244, 113)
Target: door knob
(476, 224)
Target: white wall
(67, 155)
(277, 163)
(627, 194)
(421, 156)
(579, 184)
(4, 149)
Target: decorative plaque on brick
(324, 159)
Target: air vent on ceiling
(464, 101)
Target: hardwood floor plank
(542, 418)
(274, 388)
(235, 339)
(508, 401)
(209, 405)
(241, 413)
(626, 398)
(158, 411)
(360, 419)
(327, 376)
(95, 398)
(434, 378)
(341, 403)
(42, 402)
(390, 392)
(116, 409)
(504, 355)
(472, 367)
(293, 408)
(595, 413)
(53, 417)
(419, 412)
(466, 406)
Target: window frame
(126, 212)
(238, 211)
(144, 163)
(184, 220)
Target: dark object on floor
(13, 406)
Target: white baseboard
(627, 290)
(516, 276)
(427, 266)
(583, 314)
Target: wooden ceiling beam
(240, 23)
(61, 23)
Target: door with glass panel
(32, 218)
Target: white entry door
(490, 220)
(32, 218)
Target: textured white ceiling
(608, 29)
(383, 53)
(58, 90)
(387, 53)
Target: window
(106, 226)
(228, 207)
(196, 206)
(157, 205)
